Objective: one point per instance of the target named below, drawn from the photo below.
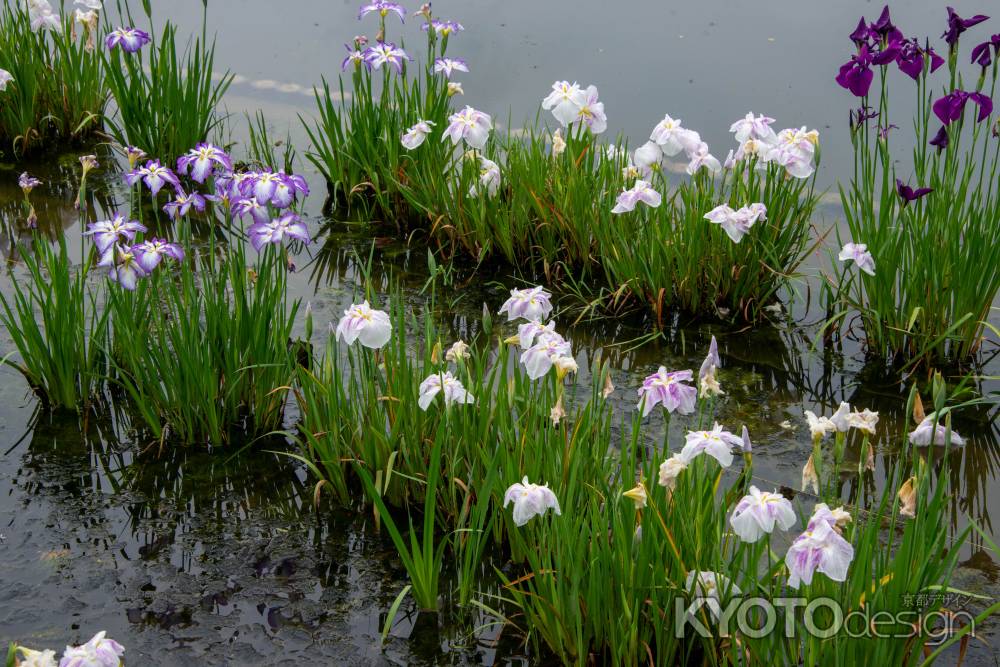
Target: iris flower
(591, 111)
(549, 351)
(382, 8)
(754, 127)
(107, 233)
(639, 192)
(530, 500)
(700, 157)
(957, 25)
(672, 138)
(445, 384)
(529, 331)
(134, 154)
(669, 390)
(564, 101)
(940, 139)
(489, 178)
(449, 65)
(5, 79)
(27, 183)
(469, 125)
(717, 443)
(416, 134)
(42, 16)
(706, 374)
(982, 53)
(201, 159)
(129, 39)
(361, 322)
(671, 469)
(354, 57)
(182, 204)
(820, 548)
(385, 53)
(276, 230)
(759, 513)
(908, 194)
(819, 427)
(856, 74)
(442, 28)
(858, 252)
(928, 432)
(737, 224)
(149, 254)
(98, 652)
(533, 304)
(154, 175)
(648, 158)
(250, 206)
(125, 269)
(950, 107)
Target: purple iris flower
(28, 182)
(130, 39)
(178, 207)
(862, 34)
(149, 254)
(154, 175)
(884, 28)
(443, 28)
(107, 233)
(856, 75)
(201, 159)
(276, 230)
(950, 107)
(385, 53)
(382, 8)
(957, 25)
(908, 194)
(288, 187)
(860, 115)
(981, 52)
(354, 57)
(940, 139)
(250, 206)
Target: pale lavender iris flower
(449, 65)
(100, 651)
(754, 127)
(640, 192)
(445, 384)
(717, 443)
(442, 28)
(533, 304)
(125, 268)
(549, 351)
(416, 134)
(385, 53)
(591, 111)
(288, 225)
(5, 78)
(858, 253)
(382, 8)
(361, 322)
(250, 206)
(927, 433)
(564, 101)
(758, 513)
(469, 125)
(737, 223)
(530, 500)
(669, 390)
(821, 548)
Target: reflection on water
(223, 555)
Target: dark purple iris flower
(940, 139)
(908, 194)
(981, 52)
(884, 131)
(950, 107)
(957, 25)
(856, 75)
(860, 115)
(884, 28)
(911, 58)
(862, 34)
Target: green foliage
(58, 92)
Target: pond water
(222, 558)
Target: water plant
(915, 230)
(670, 536)
(563, 203)
(166, 100)
(51, 83)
